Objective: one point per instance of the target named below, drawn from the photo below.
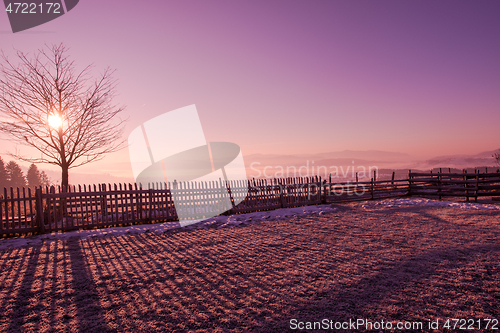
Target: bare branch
(47, 84)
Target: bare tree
(497, 157)
(63, 113)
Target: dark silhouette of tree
(4, 179)
(44, 179)
(33, 176)
(36, 177)
(497, 157)
(58, 110)
(15, 175)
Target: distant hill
(344, 162)
(483, 159)
(345, 157)
(347, 160)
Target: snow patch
(431, 203)
(218, 222)
(228, 221)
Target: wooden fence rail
(17, 211)
(56, 209)
(468, 185)
(43, 210)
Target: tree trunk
(64, 164)
(64, 188)
(65, 177)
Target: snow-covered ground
(233, 220)
(218, 222)
(431, 203)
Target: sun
(55, 121)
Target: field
(363, 261)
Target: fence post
(138, 201)
(409, 182)
(1, 209)
(477, 187)
(102, 202)
(223, 198)
(439, 184)
(231, 198)
(324, 191)
(282, 197)
(329, 186)
(150, 204)
(320, 197)
(372, 188)
(39, 210)
(466, 184)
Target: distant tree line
(11, 175)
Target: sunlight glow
(55, 121)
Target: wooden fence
(18, 212)
(43, 210)
(442, 184)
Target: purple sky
(421, 77)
